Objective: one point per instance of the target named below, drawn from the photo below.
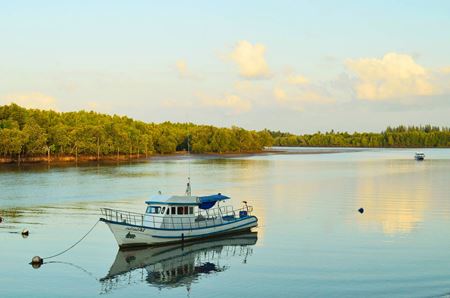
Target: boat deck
(203, 219)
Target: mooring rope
(58, 254)
(75, 266)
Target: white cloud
(446, 70)
(395, 76)
(297, 80)
(92, 105)
(248, 88)
(299, 99)
(182, 68)
(231, 102)
(311, 96)
(170, 103)
(250, 60)
(280, 94)
(33, 100)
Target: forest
(32, 132)
(392, 137)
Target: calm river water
(311, 240)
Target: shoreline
(109, 159)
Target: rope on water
(75, 266)
(85, 235)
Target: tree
(36, 139)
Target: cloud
(395, 76)
(446, 70)
(250, 60)
(33, 100)
(183, 70)
(311, 96)
(170, 103)
(92, 105)
(231, 102)
(248, 88)
(280, 94)
(298, 99)
(297, 80)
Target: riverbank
(68, 159)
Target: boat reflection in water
(177, 265)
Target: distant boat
(419, 156)
(171, 219)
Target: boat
(419, 156)
(176, 265)
(171, 219)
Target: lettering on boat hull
(130, 236)
(135, 229)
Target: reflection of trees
(398, 206)
(11, 213)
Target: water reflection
(176, 266)
(397, 200)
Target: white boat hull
(128, 235)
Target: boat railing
(202, 219)
(224, 211)
(123, 216)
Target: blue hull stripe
(188, 229)
(203, 235)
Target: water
(311, 240)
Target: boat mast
(188, 186)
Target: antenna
(189, 156)
(188, 186)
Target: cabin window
(153, 209)
(173, 211)
(163, 210)
(168, 210)
(180, 210)
(191, 210)
(186, 210)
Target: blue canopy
(207, 202)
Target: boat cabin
(419, 156)
(183, 211)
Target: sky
(296, 66)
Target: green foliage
(35, 132)
(29, 132)
(402, 136)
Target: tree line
(393, 137)
(32, 132)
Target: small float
(419, 156)
(171, 219)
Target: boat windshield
(153, 209)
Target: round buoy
(25, 232)
(361, 210)
(36, 262)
